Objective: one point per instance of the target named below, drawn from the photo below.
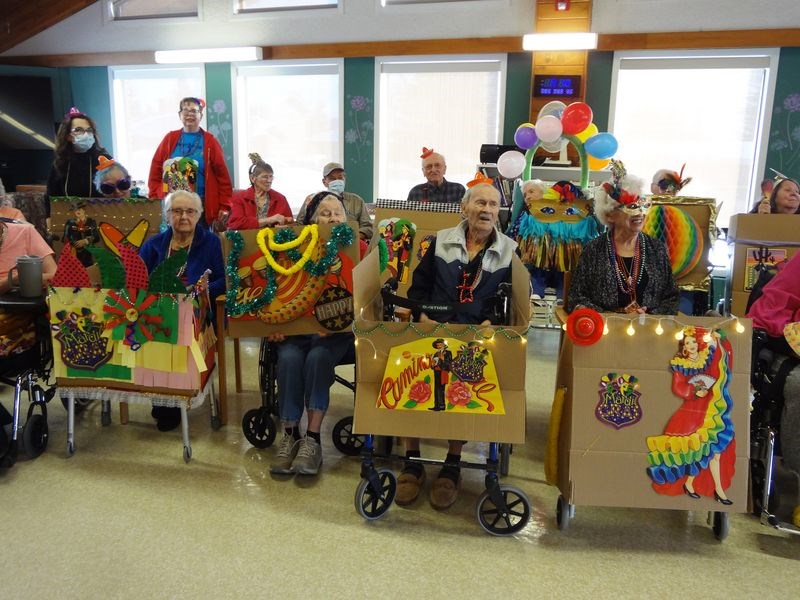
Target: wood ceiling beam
(22, 19)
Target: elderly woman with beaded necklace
(623, 270)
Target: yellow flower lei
(271, 245)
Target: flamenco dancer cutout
(696, 454)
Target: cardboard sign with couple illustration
(290, 280)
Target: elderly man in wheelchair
(776, 377)
(24, 339)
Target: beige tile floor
(126, 518)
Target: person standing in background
(76, 156)
(212, 181)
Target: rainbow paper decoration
(680, 233)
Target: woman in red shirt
(259, 205)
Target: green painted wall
(359, 125)
(518, 93)
(783, 153)
(219, 106)
(598, 86)
(91, 93)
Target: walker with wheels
(651, 412)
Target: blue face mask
(83, 142)
(336, 186)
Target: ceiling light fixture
(554, 42)
(207, 55)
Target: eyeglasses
(81, 130)
(179, 212)
(107, 187)
(188, 111)
(265, 177)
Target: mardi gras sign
(426, 374)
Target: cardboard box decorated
(761, 242)
(687, 226)
(438, 380)
(140, 334)
(290, 280)
(652, 421)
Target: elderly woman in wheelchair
(776, 325)
(306, 371)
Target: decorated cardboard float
(288, 280)
(651, 412)
(439, 380)
(133, 337)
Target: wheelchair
(259, 424)
(28, 371)
(769, 372)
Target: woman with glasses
(183, 210)
(76, 156)
(211, 180)
(259, 205)
(623, 270)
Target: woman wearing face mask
(259, 205)
(77, 154)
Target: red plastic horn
(585, 326)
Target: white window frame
(133, 72)
(321, 65)
(435, 63)
(754, 57)
(108, 15)
(286, 5)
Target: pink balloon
(548, 128)
(576, 117)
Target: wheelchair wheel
(371, 503)
(259, 428)
(345, 440)
(564, 512)
(721, 526)
(507, 520)
(267, 378)
(35, 435)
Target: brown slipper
(409, 485)
(444, 492)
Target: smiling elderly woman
(623, 270)
(184, 211)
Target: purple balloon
(525, 137)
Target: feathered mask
(673, 182)
(614, 188)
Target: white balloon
(549, 129)
(554, 146)
(511, 164)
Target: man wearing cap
(436, 188)
(333, 178)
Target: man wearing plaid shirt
(436, 188)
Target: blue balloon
(602, 145)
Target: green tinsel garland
(383, 254)
(341, 235)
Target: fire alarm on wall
(562, 5)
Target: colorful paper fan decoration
(585, 326)
(680, 233)
(792, 334)
(70, 272)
